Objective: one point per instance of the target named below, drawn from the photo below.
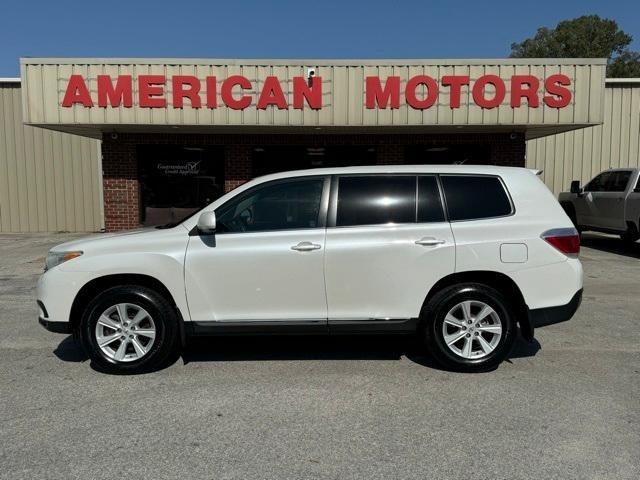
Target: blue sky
(285, 29)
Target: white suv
(460, 255)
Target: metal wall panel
(343, 92)
(49, 181)
(581, 154)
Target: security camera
(114, 136)
(513, 135)
(311, 72)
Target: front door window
(280, 205)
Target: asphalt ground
(566, 406)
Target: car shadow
(70, 350)
(287, 348)
(350, 348)
(610, 244)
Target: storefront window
(273, 159)
(447, 154)
(175, 181)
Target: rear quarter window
(471, 197)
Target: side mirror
(575, 187)
(207, 223)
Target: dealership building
(93, 144)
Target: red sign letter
(150, 91)
(77, 92)
(455, 82)
(272, 94)
(375, 95)
(226, 91)
(478, 91)
(302, 91)
(560, 96)
(212, 100)
(178, 83)
(432, 92)
(524, 86)
(110, 95)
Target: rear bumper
(56, 327)
(541, 317)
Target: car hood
(102, 240)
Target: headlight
(56, 258)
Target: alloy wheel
(472, 329)
(125, 332)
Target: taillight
(566, 240)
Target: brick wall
(237, 166)
(120, 186)
(120, 168)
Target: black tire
(631, 235)
(165, 319)
(432, 320)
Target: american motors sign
(237, 92)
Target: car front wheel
(129, 329)
(468, 327)
(631, 235)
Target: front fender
(167, 269)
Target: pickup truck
(609, 203)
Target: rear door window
(376, 200)
(429, 201)
(470, 197)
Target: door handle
(429, 241)
(306, 247)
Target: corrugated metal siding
(45, 81)
(581, 154)
(49, 181)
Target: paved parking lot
(567, 406)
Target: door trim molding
(302, 326)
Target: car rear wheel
(468, 327)
(129, 329)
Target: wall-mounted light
(311, 72)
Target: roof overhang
(528, 131)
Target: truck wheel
(129, 329)
(468, 327)
(631, 235)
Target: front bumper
(541, 317)
(56, 327)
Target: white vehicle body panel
(256, 276)
(478, 243)
(378, 272)
(156, 253)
